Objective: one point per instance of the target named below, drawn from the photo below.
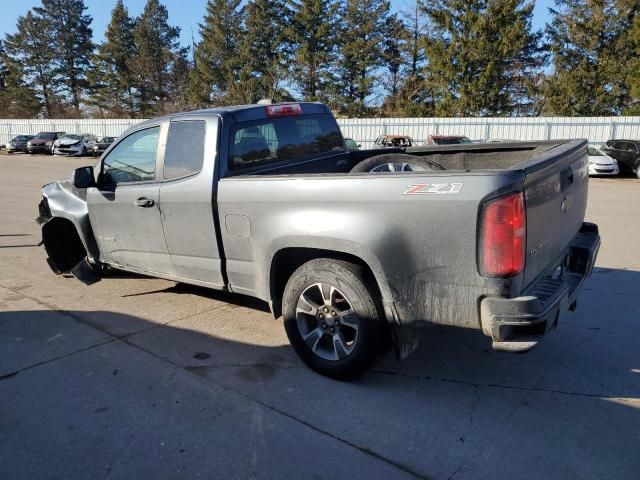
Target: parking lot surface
(144, 378)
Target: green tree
(628, 51)
(31, 48)
(312, 37)
(111, 77)
(70, 32)
(362, 37)
(472, 50)
(158, 52)
(583, 38)
(216, 63)
(16, 99)
(262, 53)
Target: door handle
(143, 202)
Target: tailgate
(555, 190)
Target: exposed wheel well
(287, 260)
(63, 244)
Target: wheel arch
(287, 259)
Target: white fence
(364, 130)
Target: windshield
(106, 140)
(71, 137)
(22, 138)
(452, 140)
(47, 136)
(594, 152)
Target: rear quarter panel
(421, 247)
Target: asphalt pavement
(136, 377)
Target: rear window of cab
(277, 139)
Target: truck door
(124, 207)
(186, 199)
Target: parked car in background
(351, 144)
(626, 152)
(43, 142)
(102, 144)
(18, 143)
(393, 141)
(601, 164)
(75, 144)
(447, 140)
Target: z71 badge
(433, 188)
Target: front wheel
(333, 318)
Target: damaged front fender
(66, 230)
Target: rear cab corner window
(184, 154)
(133, 159)
(278, 139)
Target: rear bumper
(518, 324)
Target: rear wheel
(333, 318)
(395, 162)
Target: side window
(133, 159)
(184, 153)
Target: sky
(185, 14)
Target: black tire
(416, 163)
(350, 283)
(84, 151)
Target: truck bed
(484, 156)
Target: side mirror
(83, 177)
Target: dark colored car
(447, 140)
(102, 145)
(18, 143)
(393, 141)
(626, 152)
(43, 142)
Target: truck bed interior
(469, 157)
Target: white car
(602, 164)
(72, 144)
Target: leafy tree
(111, 77)
(472, 50)
(628, 50)
(216, 63)
(583, 36)
(31, 47)
(362, 34)
(158, 53)
(312, 37)
(261, 53)
(70, 36)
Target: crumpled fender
(64, 201)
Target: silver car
(75, 144)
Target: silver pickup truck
(354, 249)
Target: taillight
(503, 228)
(283, 110)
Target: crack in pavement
(505, 387)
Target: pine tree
(16, 99)
(70, 32)
(31, 47)
(111, 77)
(216, 62)
(362, 33)
(472, 50)
(158, 52)
(312, 37)
(261, 53)
(583, 36)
